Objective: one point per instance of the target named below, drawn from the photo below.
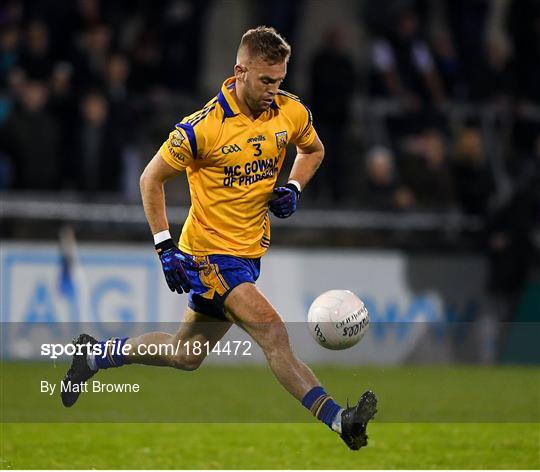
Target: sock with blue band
(111, 354)
(323, 407)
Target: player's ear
(240, 72)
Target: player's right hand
(174, 265)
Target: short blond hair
(266, 43)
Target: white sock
(91, 361)
(336, 423)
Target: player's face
(260, 81)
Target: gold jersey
(232, 164)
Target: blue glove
(284, 205)
(174, 266)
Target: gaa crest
(177, 138)
(281, 139)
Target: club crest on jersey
(177, 139)
(281, 139)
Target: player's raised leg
(250, 309)
(195, 327)
(172, 350)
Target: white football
(338, 319)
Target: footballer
(232, 151)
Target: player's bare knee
(188, 363)
(270, 318)
(274, 340)
(193, 363)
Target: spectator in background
(474, 180)
(492, 78)
(90, 59)
(529, 164)
(511, 250)
(12, 12)
(96, 163)
(37, 58)
(284, 16)
(482, 45)
(86, 14)
(499, 74)
(6, 171)
(381, 189)
(120, 107)
(30, 137)
(117, 91)
(62, 105)
(16, 85)
(380, 16)
(449, 65)
(9, 54)
(181, 21)
(116, 75)
(61, 99)
(146, 63)
(332, 88)
(426, 171)
(524, 28)
(9, 58)
(467, 21)
(404, 66)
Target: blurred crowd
(83, 84)
(454, 85)
(71, 73)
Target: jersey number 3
(258, 151)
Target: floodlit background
(427, 206)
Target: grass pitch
(239, 417)
(267, 446)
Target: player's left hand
(284, 205)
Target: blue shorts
(216, 277)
